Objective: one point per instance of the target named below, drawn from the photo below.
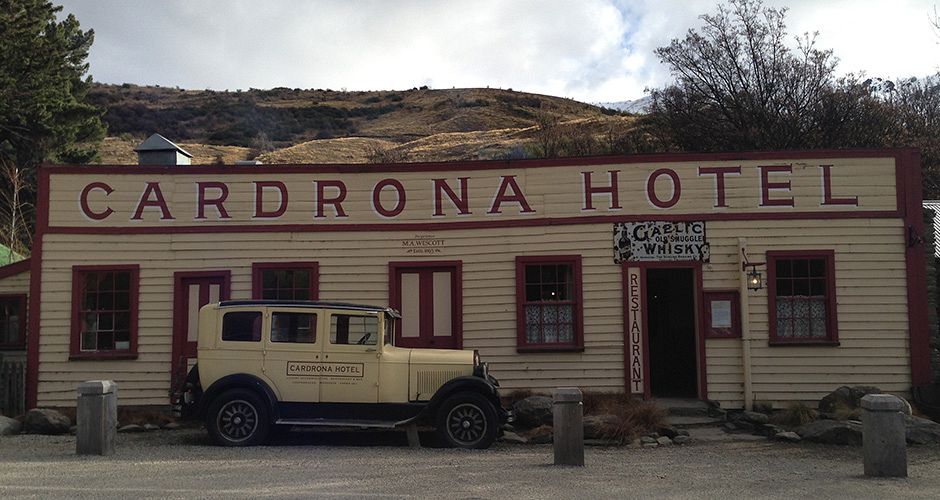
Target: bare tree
(15, 210)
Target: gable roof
(157, 142)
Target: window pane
(817, 268)
(355, 330)
(122, 281)
(533, 293)
(784, 287)
(122, 301)
(88, 341)
(784, 268)
(105, 321)
(301, 279)
(302, 294)
(298, 328)
(817, 287)
(268, 280)
(801, 288)
(241, 326)
(548, 274)
(532, 274)
(106, 281)
(105, 301)
(90, 282)
(800, 268)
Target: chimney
(158, 150)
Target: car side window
(351, 330)
(297, 328)
(242, 326)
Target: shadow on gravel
(323, 437)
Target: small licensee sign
(660, 241)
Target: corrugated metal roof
(157, 142)
(935, 206)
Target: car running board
(322, 422)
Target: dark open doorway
(670, 299)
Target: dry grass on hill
(117, 151)
(342, 150)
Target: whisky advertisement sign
(660, 241)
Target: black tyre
(467, 420)
(238, 417)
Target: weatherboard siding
(869, 257)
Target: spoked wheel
(238, 418)
(467, 420)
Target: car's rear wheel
(467, 420)
(238, 418)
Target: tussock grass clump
(795, 415)
(843, 411)
(627, 417)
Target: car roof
(319, 304)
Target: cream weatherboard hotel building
(730, 277)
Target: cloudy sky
(590, 50)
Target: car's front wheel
(467, 420)
(238, 417)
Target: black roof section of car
(310, 303)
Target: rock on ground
(921, 431)
(131, 428)
(512, 437)
(9, 426)
(533, 411)
(832, 432)
(850, 397)
(46, 421)
(789, 436)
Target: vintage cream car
(280, 363)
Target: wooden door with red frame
(191, 291)
(429, 297)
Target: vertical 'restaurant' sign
(634, 329)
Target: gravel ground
(184, 464)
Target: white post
(97, 417)
(884, 443)
(568, 423)
(745, 326)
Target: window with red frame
(12, 321)
(549, 302)
(285, 281)
(802, 297)
(104, 318)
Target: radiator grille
(429, 381)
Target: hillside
(325, 126)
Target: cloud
(591, 50)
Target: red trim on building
(75, 337)
(832, 315)
(35, 288)
(258, 267)
(15, 268)
(455, 267)
(698, 306)
(224, 278)
(482, 224)
(20, 342)
(577, 342)
(916, 262)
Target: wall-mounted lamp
(755, 281)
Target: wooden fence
(12, 387)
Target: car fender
(466, 384)
(241, 381)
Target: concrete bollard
(97, 417)
(883, 437)
(568, 416)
